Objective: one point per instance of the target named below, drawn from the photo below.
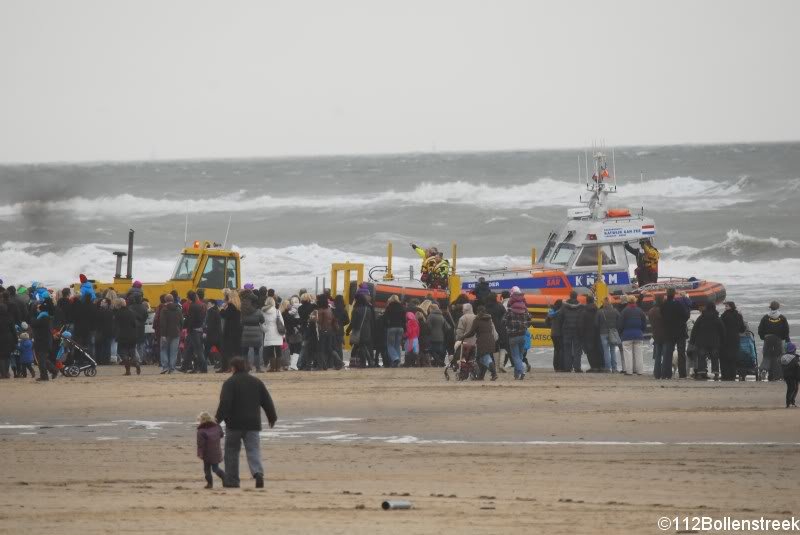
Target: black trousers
(102, 349)
(45, 364)
(5, 362)
(727, 368)
(703, 355)
(669, 346)
(791, 390)
(557, 364)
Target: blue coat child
(25, 348)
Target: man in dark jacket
(734, 327)
(104, 334)
(213, 331)
(394, 317)
(590, 337)
(126, 328)
(570, 322)
(657, 326)
(64, 307)
(482, 290)
(85, 312)
(674, 315)
(774, 330)
(195, 319)
(241, 400)
(140, 311)
(708, 335)
(555, 335)
(170, 319)
(8, 340)
(363, 324)
(43, 346)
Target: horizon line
(291, 156)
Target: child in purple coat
(209, 435)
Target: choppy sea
(729, 213)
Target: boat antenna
(586, 166)
(186, 231)
(225, 243)
(614, 166)
(579, 169)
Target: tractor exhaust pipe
(118, 270)
(130, 254)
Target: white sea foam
(686, 194)
(145, 424)
(289, 268)
(736, 245)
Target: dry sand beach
(557, 453)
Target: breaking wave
(686, 194)
(299, 266)
(737, 246)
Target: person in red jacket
(209, 434)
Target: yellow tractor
(203, 265)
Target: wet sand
(558, 453)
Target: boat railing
(667, 282)
(495, 271)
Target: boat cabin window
(231, 273)
(588, 256)
(551, 241)
(185, 268)
(213, 273)
(563, 254)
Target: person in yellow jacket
(428, 262)
(441, 271)
(646, 261)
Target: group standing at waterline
(266, 330)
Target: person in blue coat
(25, 348)
(87, 288)
(631, 325)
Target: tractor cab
(204, 265)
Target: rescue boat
(587, 255)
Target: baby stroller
(463, 364)
(747, 361)
(75, 359)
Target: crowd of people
(600, 333)
(192, 334)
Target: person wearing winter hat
(87, 288)
(774, 330)
(135, 290)
(790, 364)
(363, 289)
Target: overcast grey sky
(111, 80)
